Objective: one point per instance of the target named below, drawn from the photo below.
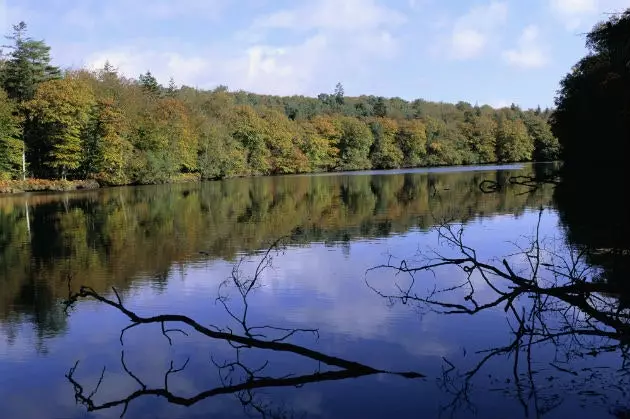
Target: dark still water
(505, 320)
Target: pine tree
(339, 92)
(149, 83)
(171, 90)
(27, 65)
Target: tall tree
(412, 140)
(385, 152)
(11, 145)
(27, 65)
(354, 144)
(546, 145)
(111, 149)
(513, 141)
(481, 132)
(149, 83)
(219, 155)
(249, 129)
(62, 108)
(319, 138)
(282, 141)
(171, 90)
(339, 94)
(592, 118)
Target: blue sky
(485, 51)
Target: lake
(305, 300)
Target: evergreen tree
(339, 92)
(149, 83)
(171, 90)
(27, 65)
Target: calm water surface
(170, 249)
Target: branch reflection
(238, 376)
(561, 311)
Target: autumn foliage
(103, 126)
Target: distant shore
(46, 185)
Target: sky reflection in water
(314, 285)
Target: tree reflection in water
(237, 376)
(561, 310)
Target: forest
(79, 124)
(593, 107)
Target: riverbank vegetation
(100, 125)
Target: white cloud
(473, 31)
(572, 12)
(575, 14)
(529, 53)
(342, 43)
(467, 43)
(349, 16)
(500, 103)
(191, 70)
(307, 67)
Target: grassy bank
(42, 185)
(35, 185)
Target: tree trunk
(23, 161)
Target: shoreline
(16, 187)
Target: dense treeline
(121, 235)
(592, 122)
(100, 125)
(593, 103)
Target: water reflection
(241, 374)
(119, 236)
(595, 215)
(568, 327)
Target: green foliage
(11, 146)
(546, 145)
(281, 140)
(513, 141)
(442, 144)
(481, 132)
(63, 108)
(149, 83)
(380, 108)
(339, 92)
(100, 125)
(319, 141)
(248, 129)
(592, 120)
(220, 155)
(386, 153)
(354, 143)
(112, 150)
(412, 141)
(28, 65)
